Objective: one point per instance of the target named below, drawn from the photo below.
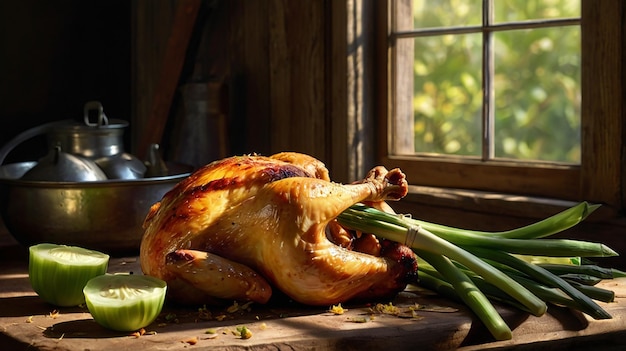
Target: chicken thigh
(239, 227)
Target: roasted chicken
(240, 227)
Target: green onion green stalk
(543, 276)
(470, 294)
(477, 266)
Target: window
(501, 81)
(490, 157)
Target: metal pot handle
(102, 118)
(27, 134)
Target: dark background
(57, 55)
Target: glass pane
(522, 10)
(447, 94)
(537, 94)
(446, 13)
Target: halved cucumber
(58, 273)
(125, 302)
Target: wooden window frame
(599, 178)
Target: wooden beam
(182, 29)
(602, 44)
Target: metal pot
(61, 199)
(100, 215)
(100, 142)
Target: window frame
(598, 178)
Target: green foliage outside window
(536, 81)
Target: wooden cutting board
(423, 321)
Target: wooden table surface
(27, 323)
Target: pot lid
(60, 166)
(94, 119)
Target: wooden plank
(384, 106)
(548, 181)
(337, 158)
(182, 28)
(26, 323)
(151, 23)
(250, 114)
(351, 115)
(602, 45)
(297, 71)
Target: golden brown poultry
(239, 227)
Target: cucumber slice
(125, 302)
(58, 273)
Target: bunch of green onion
(476, 267)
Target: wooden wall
(284, 75)
(293, 72)
(270, 57)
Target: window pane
(446, 13)
(447, 98)
(522, 10)
(537, 94)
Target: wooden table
(27, 323)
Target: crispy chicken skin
(239, 227)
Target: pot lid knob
(101, 120)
